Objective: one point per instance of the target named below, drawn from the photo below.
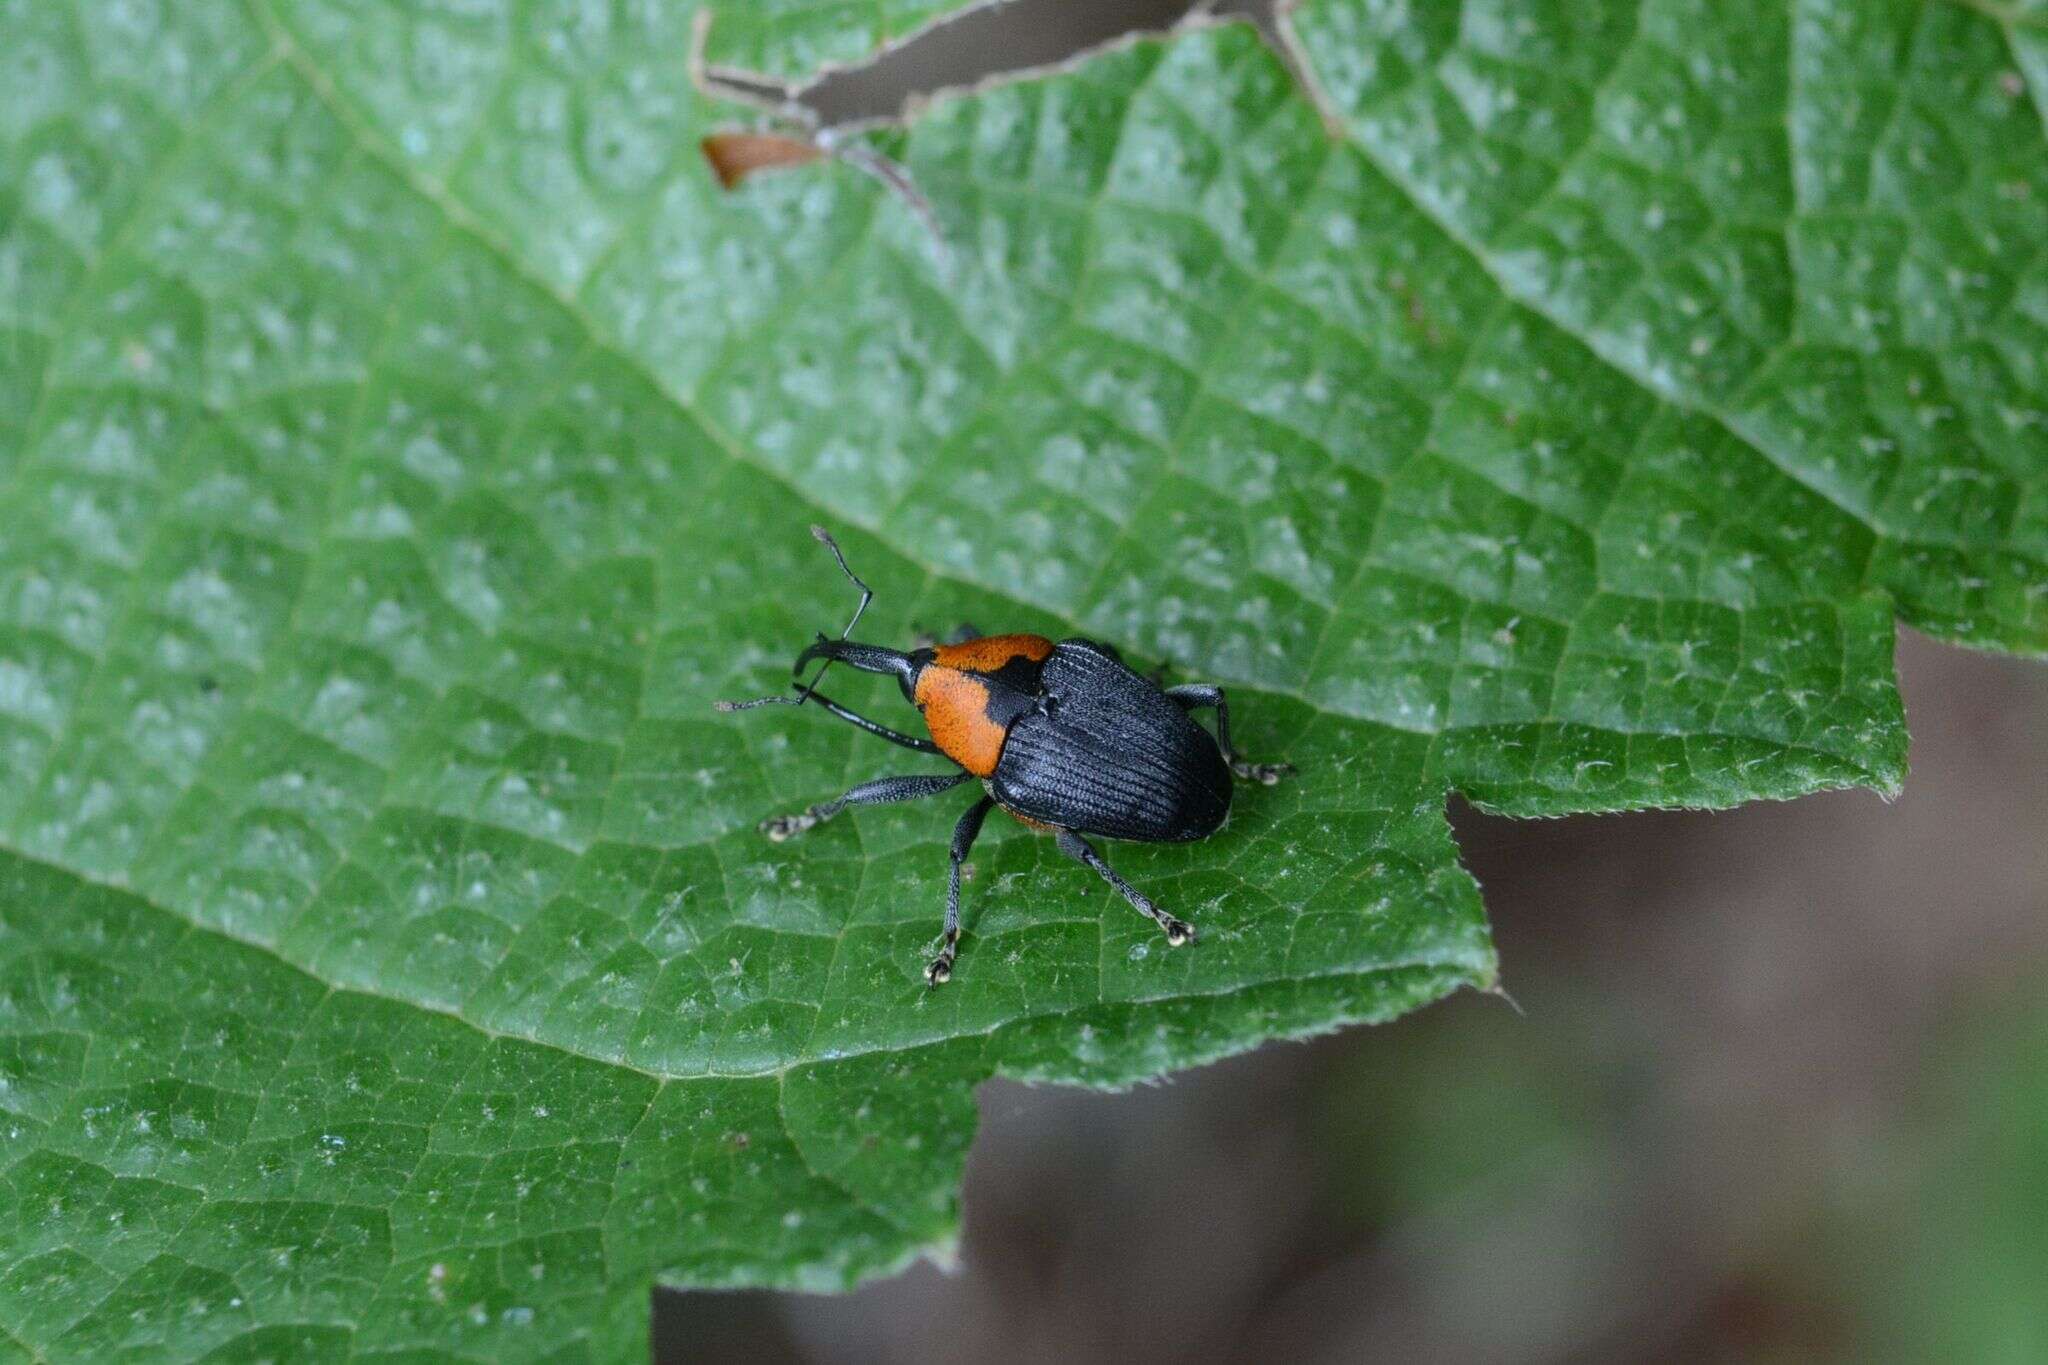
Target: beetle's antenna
(758, 701)
(867, 595)
(804, 693)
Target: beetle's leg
(879, 792)
(940, 970)
(1177, 931)
(1194, 695)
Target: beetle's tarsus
(781, 827)
(940, 969)
(1179, 933)
(1194, 695)
(1265, 774)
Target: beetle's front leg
(1207, 694)
(1177, 931)
(880, 792)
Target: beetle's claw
(1179, 933)
(1265, 774)
(940, 969)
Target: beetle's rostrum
(1064, 736)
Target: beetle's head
(869, 659)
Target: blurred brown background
(1779, 1090)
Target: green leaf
(403, 441)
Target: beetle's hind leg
(880, 792)
(940, 970)
(1194, 695)
(1177, 931)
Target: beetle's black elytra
(1063, 736)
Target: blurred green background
(1778, 1090)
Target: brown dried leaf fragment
(735, 156)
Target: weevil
(1064, 736)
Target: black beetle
(1063, 736)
